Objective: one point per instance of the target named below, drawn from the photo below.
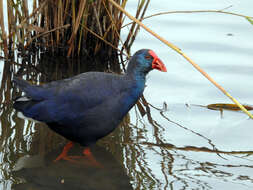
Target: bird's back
(82, 108)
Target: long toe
(64, 154)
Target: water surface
(177, 145)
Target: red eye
(148, 57)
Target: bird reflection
(40, 172)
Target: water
(177, 146)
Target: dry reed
(68, 27)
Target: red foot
(86, 154)
(64, 154)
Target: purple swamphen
(88, 106)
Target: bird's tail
(22, 102)
(22, 84)
(32, 92)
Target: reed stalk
(172, 46)
(2, 32)
(72, 28)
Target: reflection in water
(28, 149)
(141, 146)
(46, 174)
(160, 165)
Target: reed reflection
(139, 147)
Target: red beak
(157, 63)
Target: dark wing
(66, 100)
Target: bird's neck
(135, 69)
(136, 73)
(135, 87)
(137, 84)
(138, 77)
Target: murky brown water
(177, 145)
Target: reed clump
(67, 27)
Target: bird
(88, 106)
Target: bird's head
(144, 61)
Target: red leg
(64, 154)
(87, 153)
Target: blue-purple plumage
(88, 106)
